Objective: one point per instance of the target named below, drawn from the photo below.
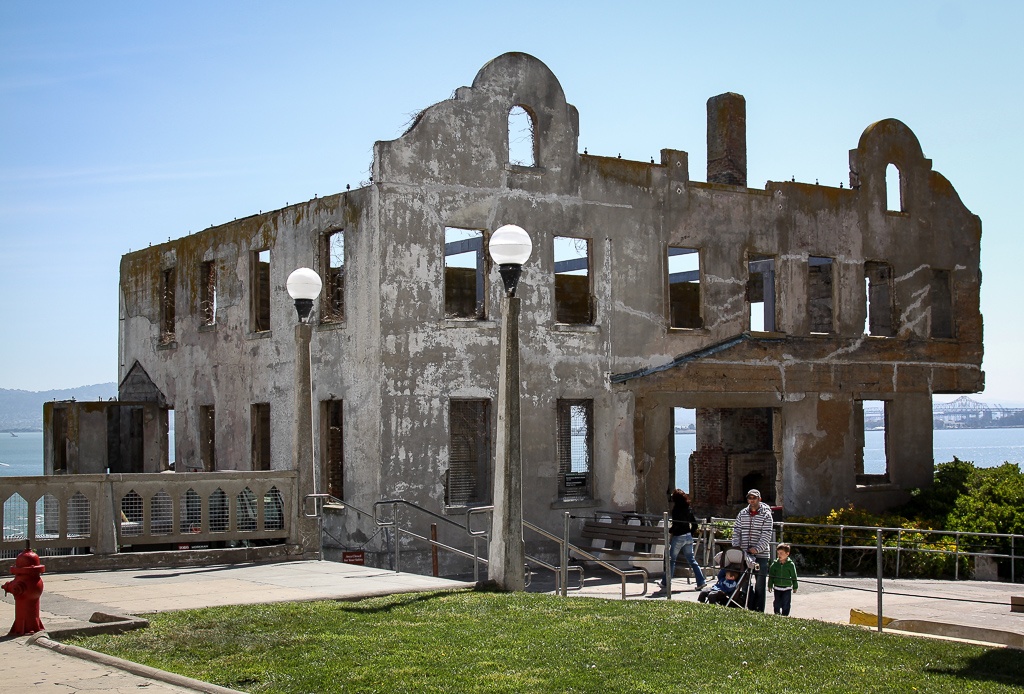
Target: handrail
(334, 501)
(623, 573)
(561, 572)
(905, 543)
(393, 522)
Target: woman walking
(684, 526)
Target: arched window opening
(218, 511)
(79, 516)
(522, 138)
(131, 514)
(893, 189)
(161, 513)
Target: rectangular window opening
(684, 443)
(575, 449)
(208, 437)
(684, 288)
(468, 479)
(941, 295)
(574, 300)
(872, 461)
(464, 271)
(879, 321)
(260, 291)
(170, 439)
(208, 292)
(820, 308)
(761, 292)
(333, 447)
(259, 417)
(167, 299)
(332, 260)
(60, 440)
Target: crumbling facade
(775, 313)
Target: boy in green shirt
(782, 580)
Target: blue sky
(128, 123)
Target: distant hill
(22, 410)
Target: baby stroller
(733, 584)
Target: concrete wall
(396, 361)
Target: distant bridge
(962, 413)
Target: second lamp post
(509, 247)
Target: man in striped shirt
(753, 532)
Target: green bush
(963, 498)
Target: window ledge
(577, 503)
(332, 325)
(207, 327)
(576, 328)
(778, 334)
(897, 213)
(880, 487)
(261, 335)
(521, 169)
(468, 323)
(173, 344)
(672, 330)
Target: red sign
(355, 557)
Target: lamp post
(304, 286)
(510, 247)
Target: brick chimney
(727, 139)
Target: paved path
(70, 600)
(968, 604)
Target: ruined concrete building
(776, 313)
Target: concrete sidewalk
(963, 610)
(71, 600)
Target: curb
(152, 673)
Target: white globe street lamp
(304, 285)
(510, 246)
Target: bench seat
(623, 543)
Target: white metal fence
(908, 551)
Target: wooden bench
(624, 541)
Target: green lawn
(494, 642)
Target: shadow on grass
(1002, 665)
(393, 602)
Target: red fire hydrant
(26, 588)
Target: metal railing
(394, 504)
(560, 571)
(390, 520)
(905, 544)
(623, 574)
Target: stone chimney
(727, 139)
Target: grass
(494, 642)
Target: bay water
(22, 454)
(983, 447)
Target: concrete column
(507, 553)
(305, 530)
(105, 530)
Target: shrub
(963, 498)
